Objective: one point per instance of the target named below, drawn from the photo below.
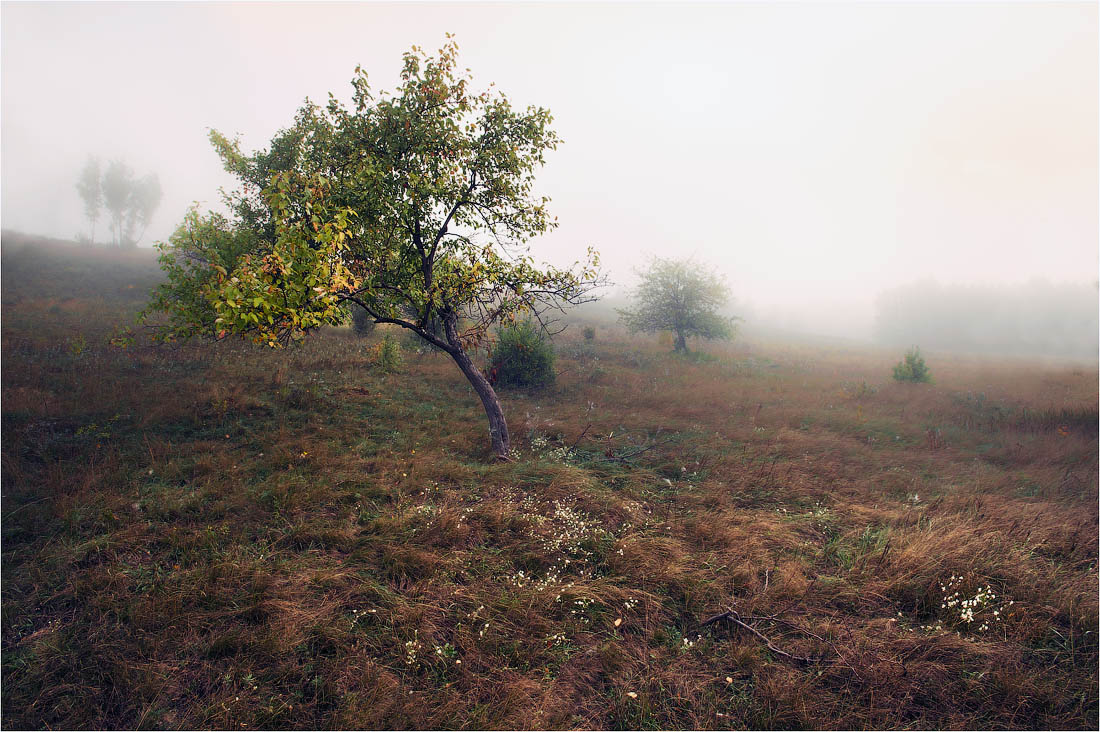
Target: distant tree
(90, 187)
(680, 297)
(130, 202)
(118, 182)
(145, 198)
(414, 202)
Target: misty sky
(814, 153)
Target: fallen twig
(627, 456)
(813, 635)
(733, 617)
(580, 436)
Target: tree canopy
(681, 297)
(417, 206)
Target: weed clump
(589, 333)
(523, 358)
(912, 369)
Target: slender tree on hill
(117, 186)
(681, 297)
(90, 187)
(416, 206)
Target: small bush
(589, 333)
(388, 356)
(361, 322)
(913, 368)
(522, 358)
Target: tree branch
(733, 617)
(378, 318)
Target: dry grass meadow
(226, 537)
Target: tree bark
(498, 426)
(681, 342)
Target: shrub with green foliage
(388, 357)
(913, 368)
(589, 333)
(522, 357)
(361, 321)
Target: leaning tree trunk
(498, 426)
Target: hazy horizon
(816, 154)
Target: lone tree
(680, 297)
(415, 206)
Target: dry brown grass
(237, 539)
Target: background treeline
(1036, 318)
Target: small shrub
(589, 333)
(361, 322)
(77, 346)
(522, 358)
(388, 356)
(913, 368)
(597, 374)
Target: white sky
(814, 153)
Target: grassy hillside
(233, 538)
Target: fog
(816, 154)
(1036, 317)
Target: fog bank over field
(1036, 318)
(816, 154)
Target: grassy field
(230, 537)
